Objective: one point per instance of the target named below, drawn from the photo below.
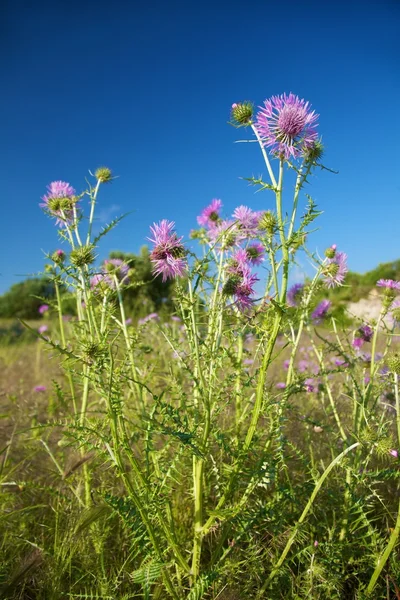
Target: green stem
(92, 207)
(265, 156)
(62, 335)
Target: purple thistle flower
(42, 329)
(335, 270)
(309, 384)
(286, 364)
(168, 254)
(101, 281)
(255, 253)
(128, 321)
(363, 333)
(248, 221)
(280, 385)
(320, 312)
(389, 284)
(358, 343)
(117, 267)
(394, 453)
(210, 217)
(58, 190)
(294, 294)
(176, 319)
(287, 125)
(150, 317)
(225, 233)
(43, 308)
(40, 388)
(303, 365)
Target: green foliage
(23, 299)
(149, 293)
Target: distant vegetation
(149, 293)
(146, 294)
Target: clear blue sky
(146, 88)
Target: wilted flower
(320, 312)
(168, 254)
(43, 308)
(59, 201)
(335, 270)
(287, 125)
(210, 215)
(294, 294)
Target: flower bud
(331, 251)
(313, 154)
(241, 113)
(268, 222)
(393, 362)
(83, 255)
(58, 257)
(103, 174)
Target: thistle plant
(187, 428)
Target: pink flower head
(43, 308)
(58, 190)
(287, 125)
(118, 268)
(40, 388)
(255, 253)
(394, 453)
(42, 329)
(168, 254)
(335, 270)
(294, 294)
(150, 317)
(210, 216)
(280, 385)
(320, 312)
(225, 233)
(248, 221)
(389, 284)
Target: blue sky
(146, 89)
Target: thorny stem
(265, 156)
(62, 334)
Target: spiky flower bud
(393, 362)
(83, 255)
(331, 251)
(396, 314)
(231, 285)
(103, 174)
(241, 113)
(389, 295)
(313, 153)
(58, 257)
(268, 222)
